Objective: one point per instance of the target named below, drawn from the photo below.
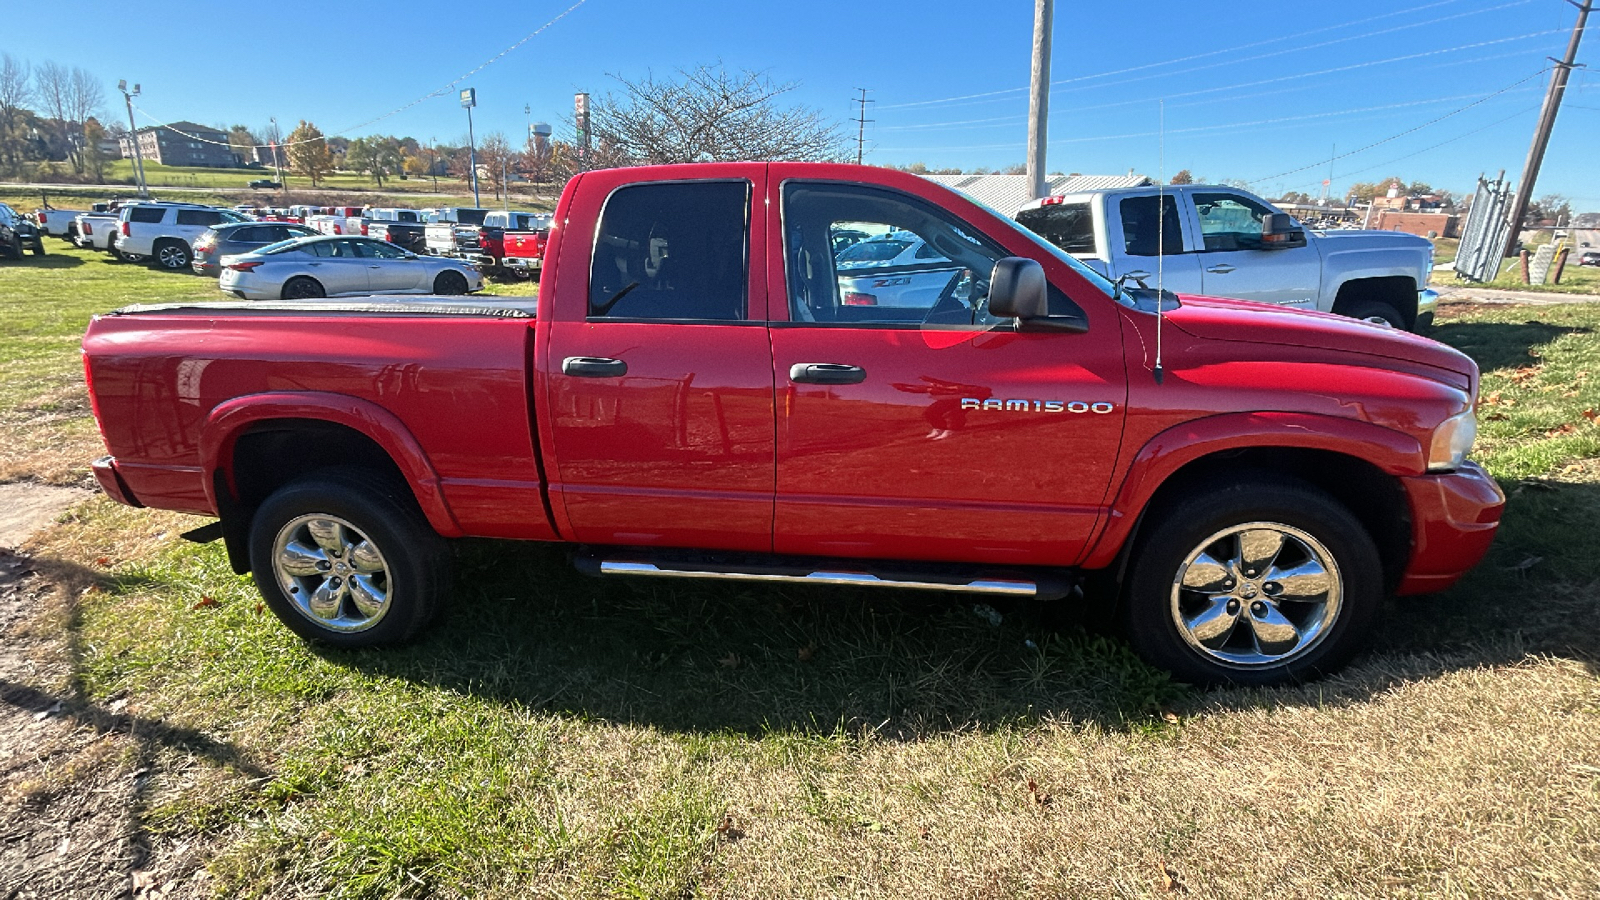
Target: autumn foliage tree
(308, 152)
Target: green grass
(1575, 279)
(561, 736)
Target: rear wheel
(344, 557)
(450, 283)
(1253, 582)
(14, 249)
(303, 288)
(128, 257)
(172, 255)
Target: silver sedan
(321, 266)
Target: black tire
(1376, 311)
(1173, 578)
(352, 544)
(127, 257)
(450, 283)
(171, 255)
(38, 248)
(302, 287)
(14, 249)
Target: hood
(1214, 318)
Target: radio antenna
(1161, 235)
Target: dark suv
(18, 234)
(1589, 258)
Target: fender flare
(227, 421)
(1391, 451)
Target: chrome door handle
(1221, 269)
(826, 373)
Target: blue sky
(1260, 91)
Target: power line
(1212, 53)
(446, 89)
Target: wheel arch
(1356, 463)
(254, 444)
(1399, 291)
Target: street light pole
(277, 167)
(469, 99)
(133, 137)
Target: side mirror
(1018, 289)
(410, 255)
(1279, 232)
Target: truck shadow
(48, 261)
(528, 630)
(1502, 345)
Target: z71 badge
(1049, 406)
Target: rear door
(1146, 237)
(932, 432)
(658, 371)
(339, 266)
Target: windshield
(471, 216)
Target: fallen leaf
(1496, 417)
(103, 562)
(805, 653)
(143, 880)
(1490, 398)
(731, 661)
(1040, 797)
(1563, 428)
(260, 607)
(206, 601)
(1591, 415)
(1170, 882)
(1170, 717)
(1526, 564)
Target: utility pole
(1547, 121)
(133, 137)
(861, 124)
(1039, 99)
(469, 99)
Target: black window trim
(594, 246)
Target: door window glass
(198, 217)
(1147, 233)
(379, 250)
(255, 235)
(146, 214)
(1069, 226)
(1229, 221)
(672, 251)
(915, 264)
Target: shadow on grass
(1501, 345)
(527, 630)
(48, 261)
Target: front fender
(1169, 451)
(227, 421)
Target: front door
(659, 372)
(1234, 264)
(1144, 235)
(339, 266)
(925, 428)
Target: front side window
(1229, 221)
(672, 251)
(918, 265)
(379, 250)
(1148, 229)
(199, 217)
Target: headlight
(1451, 442)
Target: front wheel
(344, 557)
(172, 255)
(303, 288)
(450, 283)
(1253, 582)
(1378, 313)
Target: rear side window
(199, 217)
(1145, 233)
(1069, 226)
(256, 235)
(471, 216)
(405, 215)
(672, 251)
(147, 214)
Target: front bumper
(1454, 516)
(1427, 305)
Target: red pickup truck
(697, 398)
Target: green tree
(243, 143)
(308, 152)
(93, 157)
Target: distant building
(1422, 215)
(183, 144)
(1009, 193)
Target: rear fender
(1170, 451)
(229, 420)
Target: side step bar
(854, 573)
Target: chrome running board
(1010, 587)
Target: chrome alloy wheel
(1256, 594)
(331, 573)
(172, 256)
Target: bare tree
(494, 161)
(708, 114)
(87, 97)
(16, 92)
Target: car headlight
(1452, 440)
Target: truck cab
(1222, 241)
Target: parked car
(402, 227)
(99, 231)
(894, 269)
(18, 233)
(323, 266)
(240, 237)
(1589, 258)
(524, 251)
(165, 232)
(1255, 504)
(1224, 242)
(61, 223)
(265, 184)
(450, 227)
(334, 219)
(486, 248)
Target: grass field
(1575, 279)
(558, 736)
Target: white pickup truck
(1224, 242)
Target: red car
(695, 399)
